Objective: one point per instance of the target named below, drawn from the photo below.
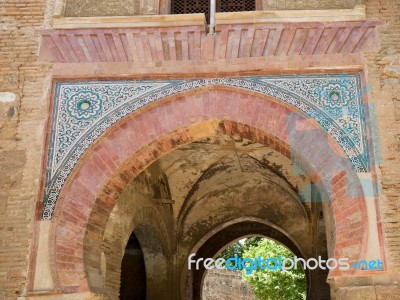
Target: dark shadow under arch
(133, 271)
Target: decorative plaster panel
(85, 110)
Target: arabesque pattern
(85, 110)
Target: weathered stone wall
(383, 93)
(81, 8)
(225, 285)
(384, 86)
(91, 8)
(309, 4)
(23, 110)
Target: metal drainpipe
(213, 4)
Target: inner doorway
(133, 271)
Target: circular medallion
(84, 105)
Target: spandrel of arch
(75, 126)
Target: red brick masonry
(139, 139)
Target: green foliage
(252, 241)
(235, 249)
(269, 284)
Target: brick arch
(127, 148)
(152, 240)
(230, 232)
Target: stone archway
(108, 166)
(147, 225)
(231, 233)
